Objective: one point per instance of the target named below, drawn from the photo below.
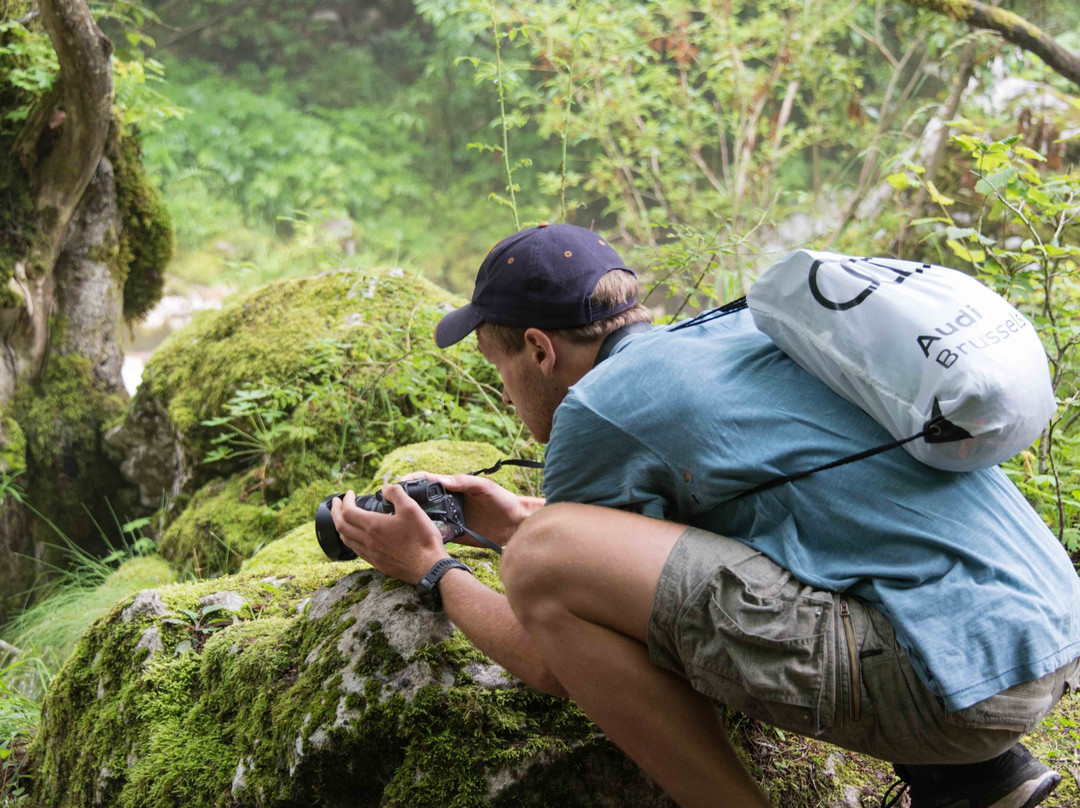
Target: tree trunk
(59, 149)
(59, 333)
(1013, 28)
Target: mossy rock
(226, 522)
(71, 477)
(303, 377)
(327, 684)
(322, 686)
(297, 548)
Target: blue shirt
(678, 421)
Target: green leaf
(957, 233)
(136, 524)
(939, 197)
(962, 252)
(901, 181)
(1031, 154)
(1038, 196)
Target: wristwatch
(428, 586)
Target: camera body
(445, 508)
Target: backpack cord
(932, 428)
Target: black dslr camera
(445, 508)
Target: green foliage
(255, 425)
(20, 716)
(200, 625)
(1019, 232)
(28, 69)
(269, 160)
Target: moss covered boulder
(302, 378)
(323, 685)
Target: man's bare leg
(581, 580)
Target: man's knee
(533, 557)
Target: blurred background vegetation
(703, 139)
(289, 137)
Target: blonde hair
(613, 288)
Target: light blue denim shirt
(676, 423)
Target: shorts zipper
(853, 662)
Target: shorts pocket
(903, 711)
(745, 646)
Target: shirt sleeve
(592, 461)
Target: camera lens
(326, 533)
(375, 503)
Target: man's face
(533, 395)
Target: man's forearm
(485, 617)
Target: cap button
(544, 224)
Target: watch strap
(428, 586)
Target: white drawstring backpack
(947, 366)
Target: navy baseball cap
(542, 277)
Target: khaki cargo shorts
(747, 634)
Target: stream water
(173, 311)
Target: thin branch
(1012, 27)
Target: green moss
(12, 447)
(298, 547)
(146, 241)
(255, 716)
(68, 472)
(267, 712)
(451, 457)
(225, 523)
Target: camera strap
(528, 464)
(488, 543)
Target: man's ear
(541, 350)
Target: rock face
(325, 685)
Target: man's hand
(490, 509)
(405, 544)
